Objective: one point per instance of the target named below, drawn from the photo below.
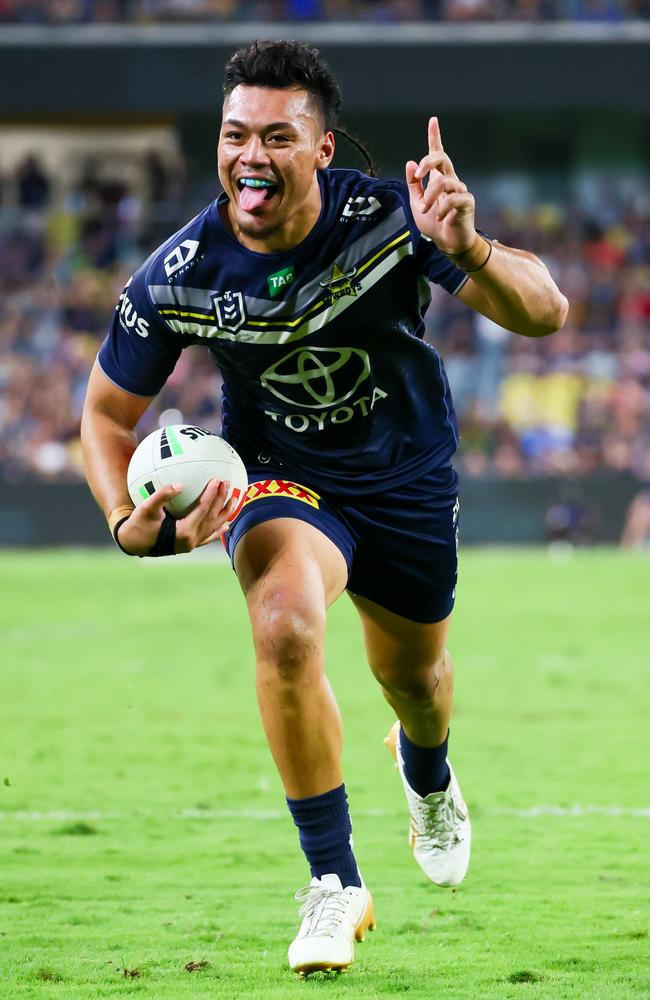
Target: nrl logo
(230, 311)
(341, 283)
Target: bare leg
(290, 573)
(413, 666)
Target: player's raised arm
(512, 287)
(108, 441)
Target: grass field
(142, 825)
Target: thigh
(397, 646)
(286, 561)
(311, 532)
(289, 538)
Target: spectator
(33, 185)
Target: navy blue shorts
(400, 547)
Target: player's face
(270, 146)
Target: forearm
(107, 448)
(514, 289)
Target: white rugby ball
(183, 453)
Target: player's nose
(254, 152)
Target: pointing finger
(435, 139)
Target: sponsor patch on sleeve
(281, 488)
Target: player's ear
(325, 150)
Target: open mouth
(255, 192)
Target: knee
(288, 632)
(417, 682)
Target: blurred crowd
(571, 404)
(175, 11)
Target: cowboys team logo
(341, 283)
(318, 377)
(230, 311)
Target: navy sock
(324, 828)
(426, 768)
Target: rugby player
(308, 285)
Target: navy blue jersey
(320, 347)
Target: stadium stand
(453, 11)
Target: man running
(309, 285)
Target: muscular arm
(108, 441)
(515, 290)
(511, 287)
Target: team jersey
(320, 348)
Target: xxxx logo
(281, 488)
(230, 311)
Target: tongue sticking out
(251, 198)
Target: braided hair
(285, 65)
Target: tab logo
(279, 280)
(358, 207)
(180, 256)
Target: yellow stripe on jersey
(291, 323)
(181, 312)
(313, 319)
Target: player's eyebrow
(267, 128)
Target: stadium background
(108, 118)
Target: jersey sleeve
(140, 351)
(437, 267)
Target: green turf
(142, 824)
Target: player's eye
(278, 137)
(233, 135)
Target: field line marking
(266, 815)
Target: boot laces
(437, 823)
(322, 910)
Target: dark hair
(288, 65)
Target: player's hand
(444, 210)
(209, 518)
(207, 521)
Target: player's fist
(444, 209)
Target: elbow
(561, 311)
(552, 318)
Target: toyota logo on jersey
(318, 376)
